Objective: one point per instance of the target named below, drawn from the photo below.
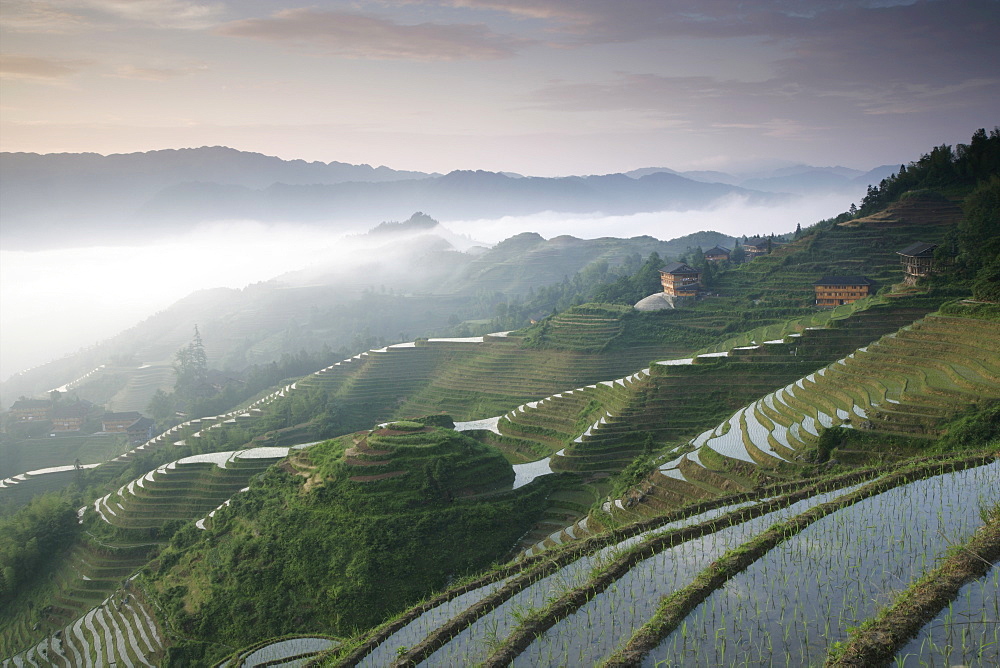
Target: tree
(739, 254)
(986, 287)
(978, 239)
(161, 407)
(191, 366)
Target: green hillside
(407, 282)
(602, 487)
(365, 524)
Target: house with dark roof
(917, 260)
(680, 280)
(717, 254)
(69, 417)
(756, 247)
(838, 290)
(118, 422)
(31, 410)
(141, 431)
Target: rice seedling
(282, 651)
(589, 633)
(807, 592)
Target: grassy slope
(352, 549)
(39, 453)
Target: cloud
(629, 20)
(157, 73)
(913, 99)
(597, 21)
(362, 36)
(161, 13)
(63, 16)
(780, 108)
(566, 14)
(694, 101)
(831, 64)
(39, 17)
(834, 46)
(732, 215)
(38, 69)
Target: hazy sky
(542, 87)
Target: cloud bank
(364, 36)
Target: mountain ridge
(69, 199)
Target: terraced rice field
(535, 575)
(905, 383)
(121, 630)
(600, 428)
(185, 489)
(410, 634)
(584, 327)
(287, 652)
(193, 429)
(807, 592)
(142, 384)
(966, 632)
(851, 546)
(862, 246)
(45, 453)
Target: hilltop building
(838, 290)
(717, 254)
(917, 260)
(680, 280)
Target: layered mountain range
(73, 199)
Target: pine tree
(191, 367)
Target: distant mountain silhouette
(795, 179)
(71, 199)
(60, 199)
(462, 194)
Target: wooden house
(31, 410)
(717, 254)
(119, 422)
(838, 290)
(680, 280)
(69, 417)
(917, 260)
(140, 431)
(756, 247)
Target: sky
(540, 87)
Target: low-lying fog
(55, 302)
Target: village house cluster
(71, 417)
(681, 280)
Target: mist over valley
(99, 232)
